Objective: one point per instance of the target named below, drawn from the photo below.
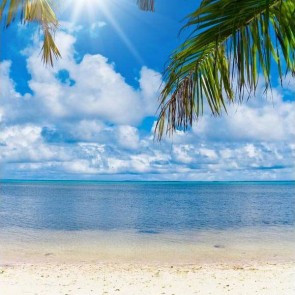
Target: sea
(163, 216)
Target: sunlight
(121, 34)
(88, 7)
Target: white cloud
(127, 137)
(95, 27)
(251, 151)
(270, 121)
(208, 153)
(117, 165)
(70, 27)
(79, 166)
(24, 143)
(150, 84)
(97, 91)
(87, 130)
(183, 153)
(85, 124)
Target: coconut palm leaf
(34, 11)
(230, 43)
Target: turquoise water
(179, 222)
(146, 207)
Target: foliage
(230, 43)
(29, 11)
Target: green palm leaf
(231, 42)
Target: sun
(85, 8)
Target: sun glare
(88, 10)
(85, 8)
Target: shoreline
(237, 246)
(232, 262)
(77, 269)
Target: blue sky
(92, 115)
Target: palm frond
(230, 43)
(34, 11)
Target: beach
(147, 147)
(126, 278)
(60, 238)
(107, 263)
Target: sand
(133, 278)
(103, 264)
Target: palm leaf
(34, 11)
(230, 42)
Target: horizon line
(89, 180)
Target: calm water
(146, 207)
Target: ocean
(202, 214)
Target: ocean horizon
(143, 181)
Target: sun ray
(86, 8)
(89, 9)
(122, 34)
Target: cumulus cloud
(24, 143)
(97, 90)
(93, 89)
(81, 120)
(258, 120)
(150, 84)
(127, 136)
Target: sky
(92, 116)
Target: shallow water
(146, 207)
(155, 221)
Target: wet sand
(56, 263)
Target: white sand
(103, 264)
(124, 278)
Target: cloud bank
(82, 120)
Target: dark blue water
(146, 207)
